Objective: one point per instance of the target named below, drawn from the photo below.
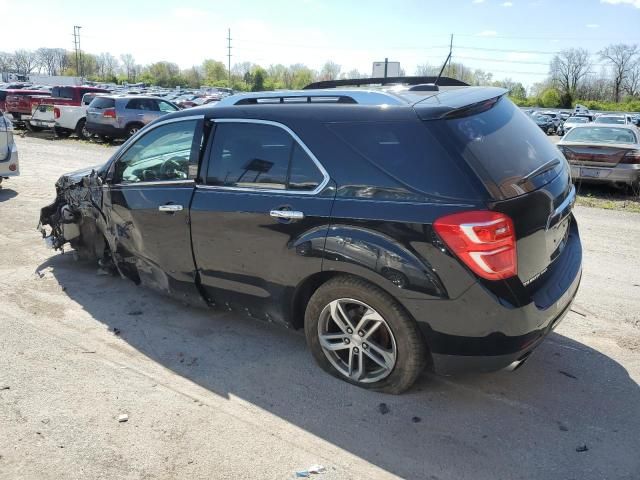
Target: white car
(9, 166)
(572, 122)
(611, 119)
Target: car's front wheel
(359, 333)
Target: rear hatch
(98, 108)
(603, 156)
(525, 175)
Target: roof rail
(357, 82)
(352, 96)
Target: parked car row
(64, 108)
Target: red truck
(21, 107)
(15, 94)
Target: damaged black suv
(399, 226)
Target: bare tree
(632, 80)
(47, 60)
(620, 57)
(25, 61)
(61, 60)
(129, 64)
(568, 69)
(426, 70)
(6, 61)
(330, 71)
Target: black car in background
(545, 122)
(398, 227)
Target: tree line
(573, 75)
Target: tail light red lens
(109, 113)
(485, 241)
(56, 112)
(632, 157)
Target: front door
(150, 188)
(260, 220)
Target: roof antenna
(446, 61)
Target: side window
(164, 153)
(254, 155)
(303, 173)
(134, 104)
(249, 155)
(166, 107)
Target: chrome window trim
(154, 182)
(306, 149)
(143, 131)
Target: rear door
(4, 139)
(260, 218)
(150, 186)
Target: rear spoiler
(358, 82)
(458, 103)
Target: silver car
(9, 166)
(603, 153)
(114, 116)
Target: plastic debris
(582, 448)
(312, 470)
(123, 418)
(383, 408)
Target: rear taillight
(56, 112)
(109, 113)
(485, 241)
(632, 157)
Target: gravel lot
(212, 395)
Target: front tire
(359, 333)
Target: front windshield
(601, 135)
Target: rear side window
(102, 103)
(142, 104)
(408, 153)
(502, 145)
(62, 92)
(261, 156)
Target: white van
(9, 166)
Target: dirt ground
(211, 395)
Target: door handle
(287, 214)
(170, 208)
(140, 114)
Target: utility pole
(76, 47)
(450, 53)
(229, 55)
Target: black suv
(399, 227)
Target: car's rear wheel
(81, 130)
(359, 333)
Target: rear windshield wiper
(550, 165)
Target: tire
(397, 335)
(61, 132)
(133, 128)
(81, 131)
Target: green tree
(550, 98)
(215, 73)
(258, 77)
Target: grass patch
(608, 198)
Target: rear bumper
(42, 123)
(106, 130)
(626, 174)
(479, 332)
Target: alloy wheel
(357, 340)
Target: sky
(511, 38)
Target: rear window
(601, 135)
(503, 146)
(617, 120)
(407, 152)
(62, 92)
(577, 120)
(102, 103)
